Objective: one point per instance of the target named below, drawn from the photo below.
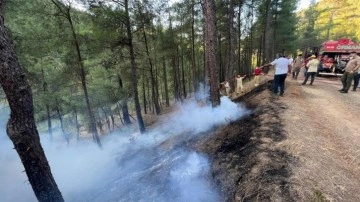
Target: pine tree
(210, 50)
(21, 127)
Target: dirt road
(304, 146)
(323, 131)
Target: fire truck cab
(334, 55)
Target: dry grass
(295, 147)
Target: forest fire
(125, 75)
(125, 171)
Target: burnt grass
(245, 164)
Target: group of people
(225, 88)
(284, 66)
(351, 72)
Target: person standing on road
(298, 62)
(350, 72)
(282, 68)
(312, 69)
(304, 65)
(356, 80)
(291, 62)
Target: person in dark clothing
(350, 71)
(356, 80)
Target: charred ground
(245, 161)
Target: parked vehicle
(334, 55)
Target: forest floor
(303, 146)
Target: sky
(303, 4)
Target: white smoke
(200, 119)
(188, 177)
(124, 170)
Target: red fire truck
(334, 55)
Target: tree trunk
(183, 76)
(112, 120)
(189, 75)
(174, 63)
(249, 70)
(118, 111)
(82, 72)
(125, 111)
(259, 51)
(99, 123)
(105, 110)
(58, 111)
(274, 25)
(175, 78)
(220, 66)
(144, 94)
(329, 25)
(77, 125)
(267, 33)
(86, 94)
(66, 13)
(45, 89)
(193, 57)
(210, 50)
(21, 127)
(239, 39)
(157, 83)
(150, 106)
(153, 81)
(133, 69)
(206, 73)
(49, 121)
(124, 104)
(167, 100)
(230, 46)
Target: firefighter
(312, 69)
(305, 63)
(298, 63)
(356, 80)
(350, 71)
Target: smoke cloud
(145, 169)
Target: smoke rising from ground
(142, 170)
